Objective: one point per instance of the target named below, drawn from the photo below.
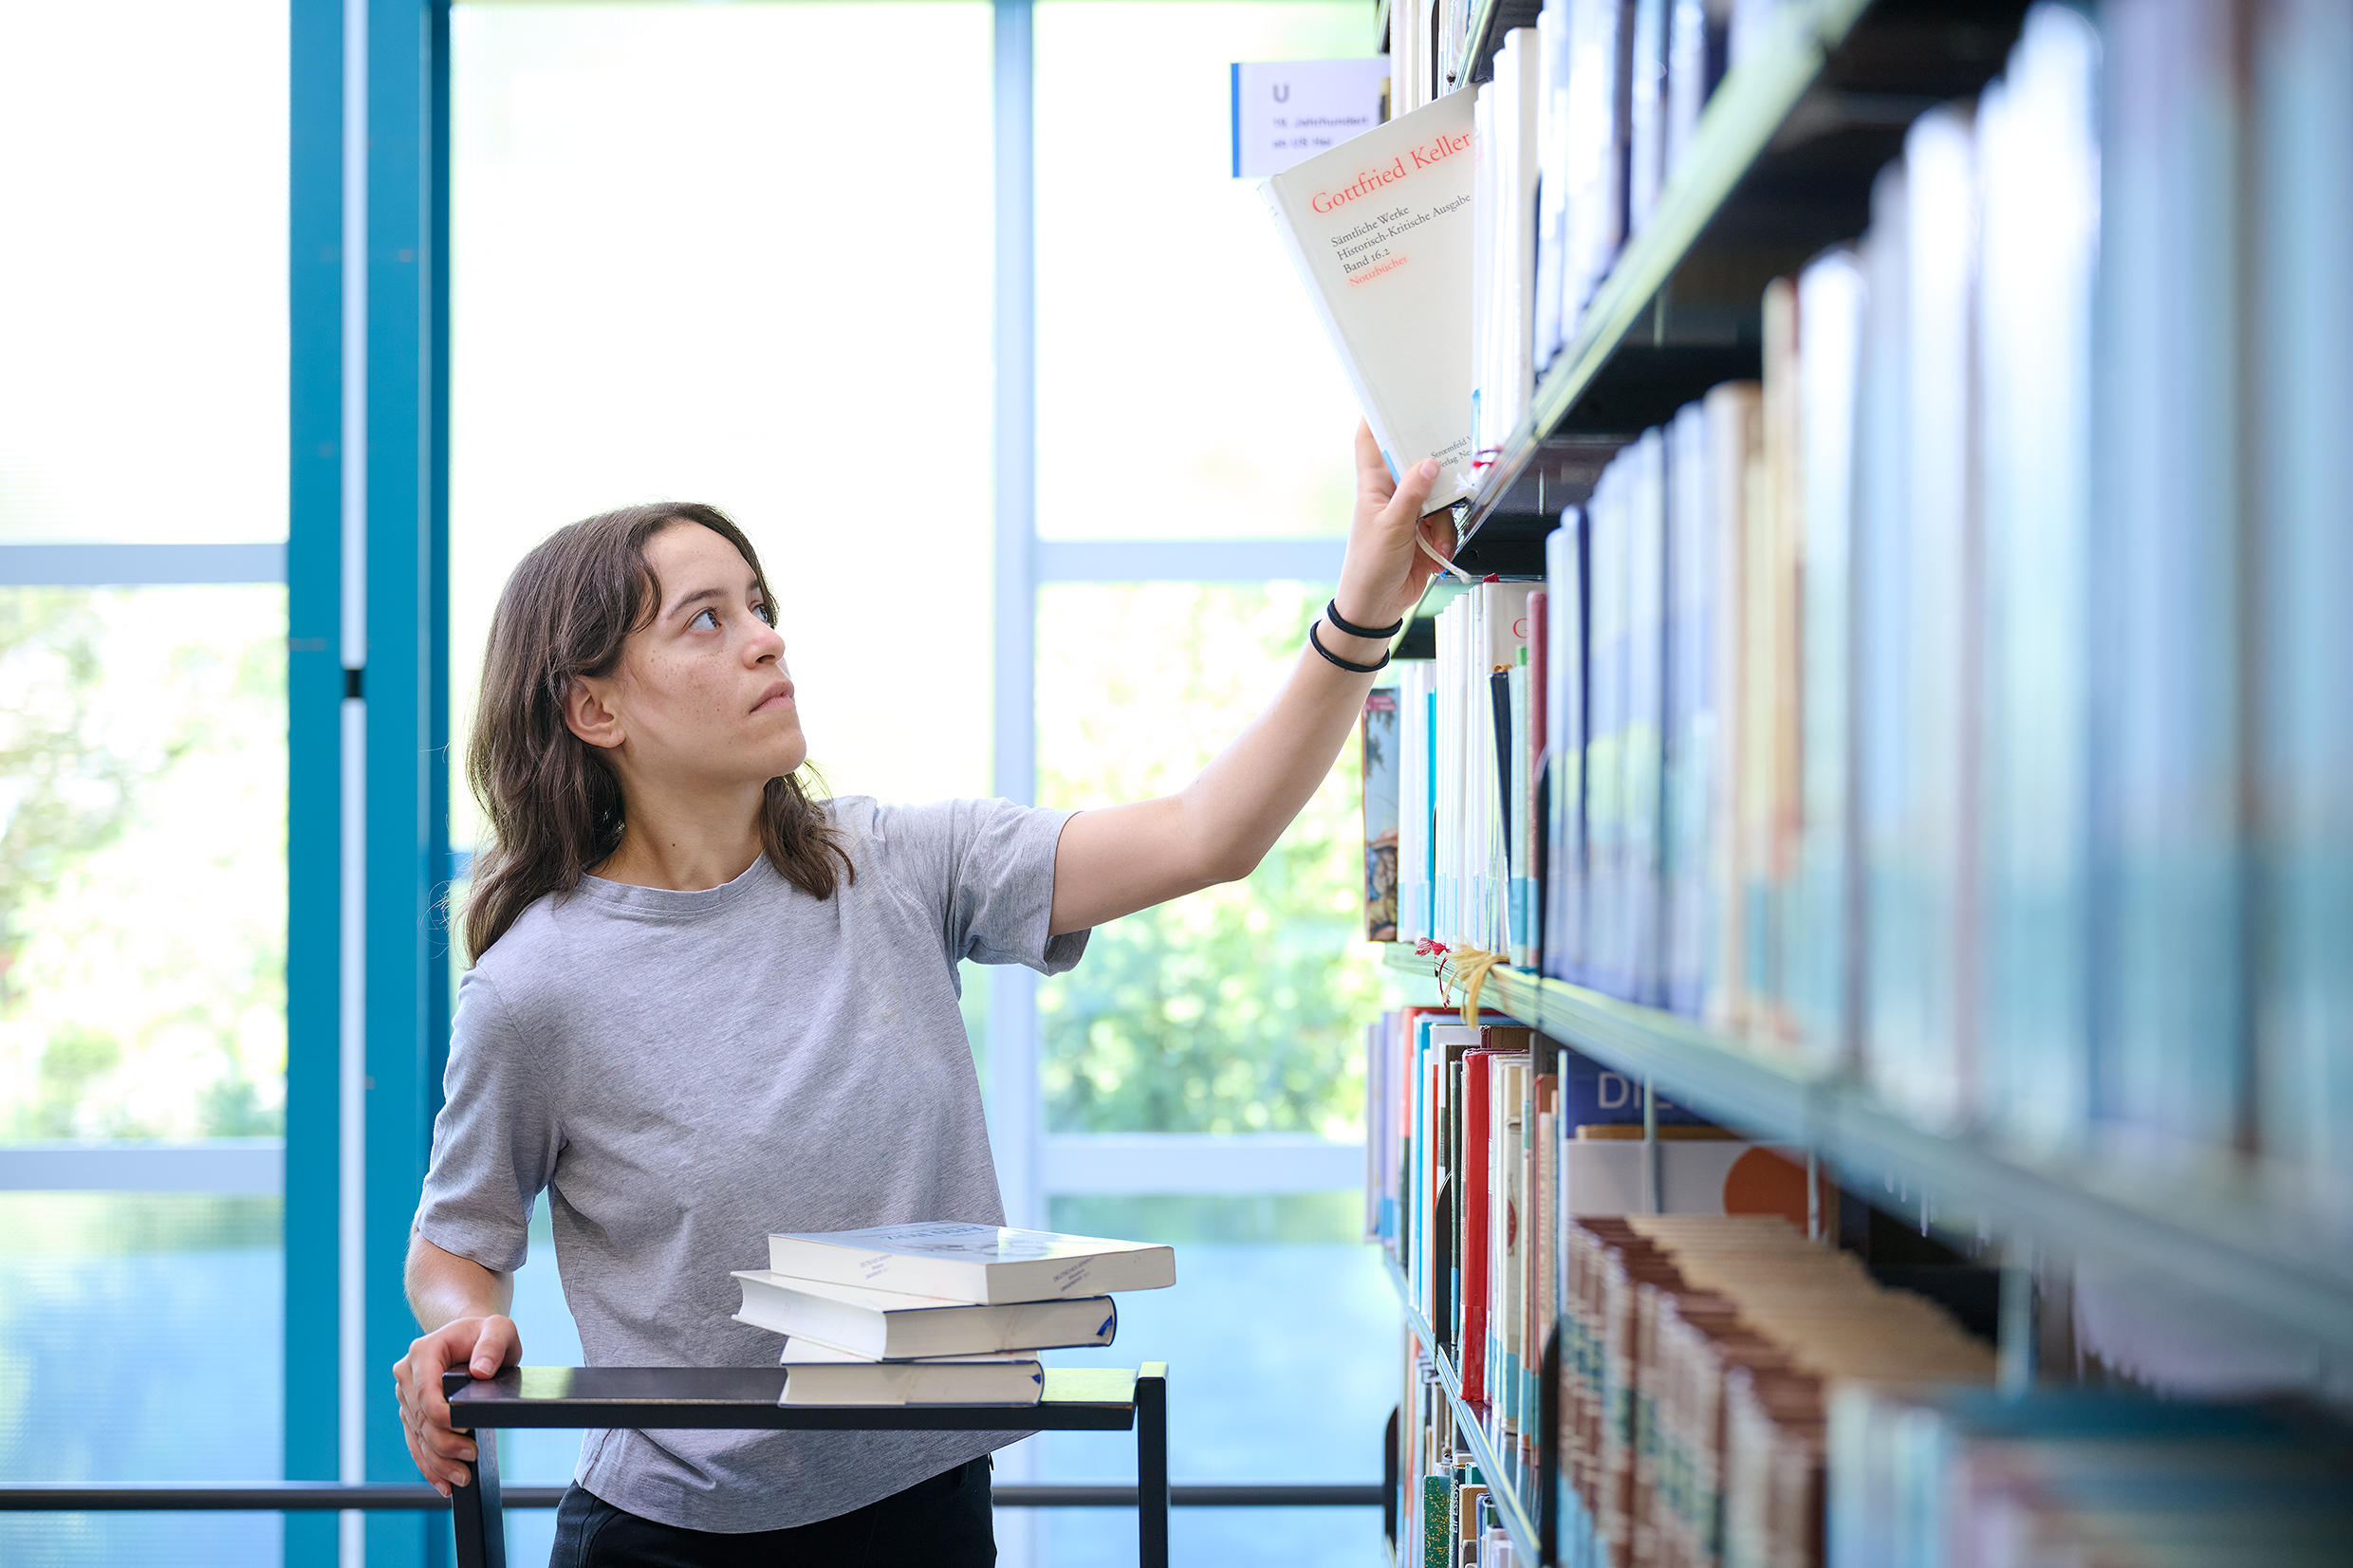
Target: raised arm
(1217, 829)
(462, 1307)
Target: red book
(1472, 1230)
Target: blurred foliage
(1240, 1008)
(98, 1224)
(64, 790)
(142, 862)
(1213, 1218)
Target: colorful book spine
(1377, 743)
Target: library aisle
(1832, 1043)
(1881, 833)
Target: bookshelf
(1860, 758)
(1782, 165)
(1512, 1505)
(2208, 1226)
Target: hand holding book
(1386, 572)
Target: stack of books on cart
(939, 1313)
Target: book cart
(745, 1398)
(1783, 166)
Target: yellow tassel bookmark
(1470, 969)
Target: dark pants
(943, 1523)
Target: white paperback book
(892, 1326)
(1381, 228)
(983, 1263)
(817, 1374)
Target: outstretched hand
(1385, 574)
(483, 1346)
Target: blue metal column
(406, 853)
(437, 537)
(367, 826)
(314, 700)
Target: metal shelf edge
(2222, 1245)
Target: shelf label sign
(1287, 111)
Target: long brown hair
(551, 802)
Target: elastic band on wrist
(1316, 643)
(1341, 624)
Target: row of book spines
(1479, 1190)
(1782, 968)
(1696, 1350)
(2226, 1483)
(1446, 1497)
(1481, 1184)
(1776, 945)
(1589, 116)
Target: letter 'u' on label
(1335, 99)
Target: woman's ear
(585, 714)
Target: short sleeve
(495, 1141)
(1001, 890)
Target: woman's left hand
(1385, 574)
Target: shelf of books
(2225, 1229)
(1676, 153)
(1460, 1454)
(1903, 837)
(1695, 177)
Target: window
(142, 302)
(694, 260)
(142, 762)
(1238, 1009)
(1186, 398)
(142, 883)
(1185, 390)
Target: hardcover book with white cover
(1380, 230)
(961, 1380)
(984, 1263)
(891, 1325)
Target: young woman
(704, 1006)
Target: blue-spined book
(2304, 1018)
(1564, 682)
(1641, 799)
(1914, 540)
(1595, 1095)
(1831, 298)
(2169, 1054)
(1881, 690)
(1693, 736)
(1609, 964)
(2038, 227)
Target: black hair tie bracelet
(1353, 668)
(1341, 624)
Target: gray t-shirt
(686, 1072)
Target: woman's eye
(704, 616)
(767, 616)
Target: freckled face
(702, 693)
